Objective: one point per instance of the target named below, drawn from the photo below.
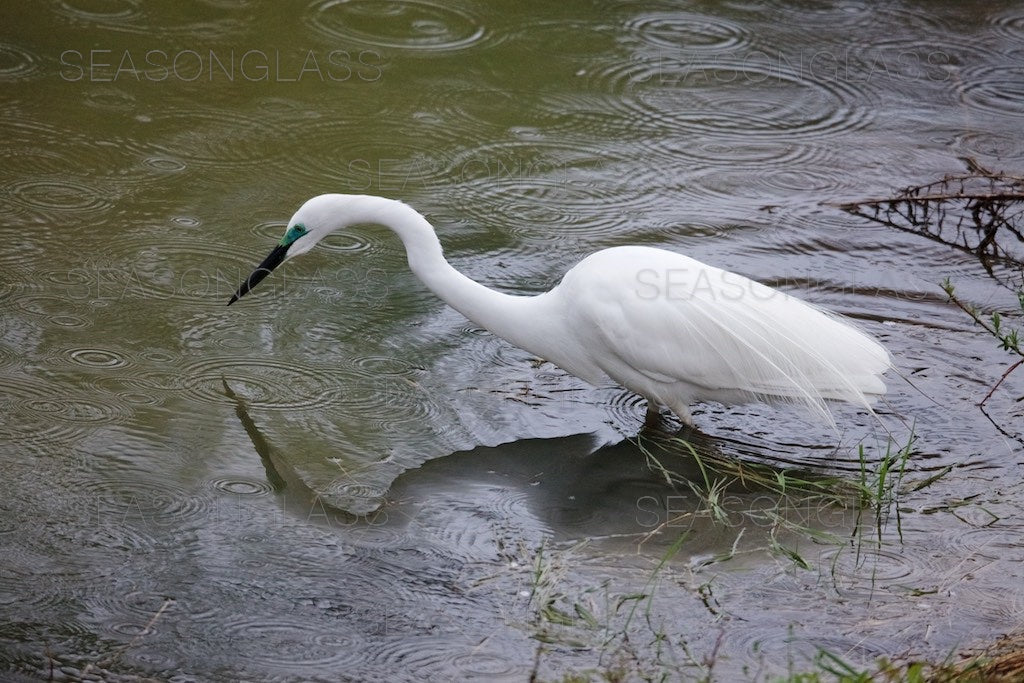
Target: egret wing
(662, 317)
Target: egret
(663, 325)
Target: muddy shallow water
(385, 491)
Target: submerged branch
(1016, 196)
(980, 213)
(1000, 381)
(1008, 340)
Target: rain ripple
(385, 402)
(264, 383)
(60, 171)
(53, 195)
(37, 416)
(76, 410)
(1010, 24)
(174, 269)
(422, 657)
(752, 97)
(127, 16)
(979, 542)
(460, 111)
(97, 358)
(287, 643)
(16, 62)
(729, 96)
(102, 11)
(415, 25)
(681, 30)
(147, 387)
(152, 503)
(869, 570)
(242, 487)
(55, 310)
(218, 139)
(24, 567)
(541, 189)
(997, 89)
(383, 166)
(782, 602)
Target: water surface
(375, 499)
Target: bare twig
(1005, 375)
(980, 213)
(1008, 340)
(1017, 196)
(144, 632)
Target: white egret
(668, 327)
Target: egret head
(310, 224)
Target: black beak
(273, 260)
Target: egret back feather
(679, 331)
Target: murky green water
(152, 153)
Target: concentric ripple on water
(134, 480)
(242, 487)
(398, 24)
(97, 358)
(215, 139)
(174, 266)
(151, 506)
(265, 384)
(751, 95)
(693, 32)
(40, 418)
(996, 89)
(540, 189)
(284, 643)
(100, 10)
(57, 196)
(1010, 23)
(16, 63)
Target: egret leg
(682, 411)
(653, 416)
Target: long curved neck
(505, 315)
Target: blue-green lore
(294, 233)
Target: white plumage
(678, 331)
(673, 329)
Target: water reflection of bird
(664, 325)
